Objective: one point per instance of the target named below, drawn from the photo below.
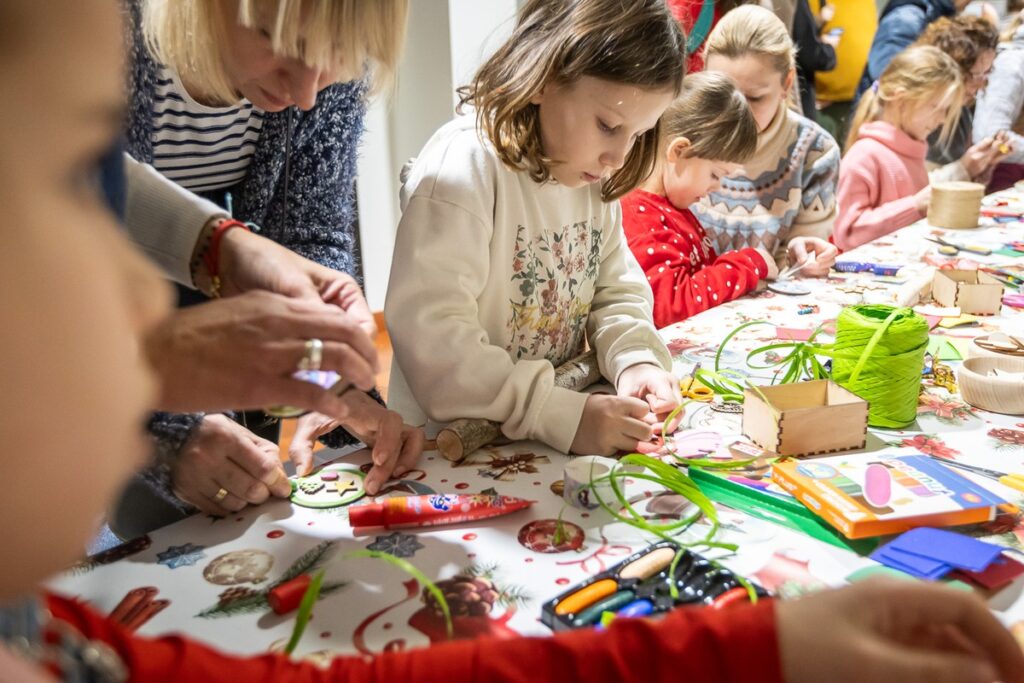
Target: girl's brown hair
(714, 116)
(636, 42)
(916, 75)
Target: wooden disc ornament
(239, 566)
(330, 487)
(955, 204)
(789, 287)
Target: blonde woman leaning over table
(784, 201)
(74, 350)
(261, 101)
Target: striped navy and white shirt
(201, 148)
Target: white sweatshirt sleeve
(620, 326)
(440, 268)
(164, 219)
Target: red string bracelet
(212, 255)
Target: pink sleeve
(860, 220)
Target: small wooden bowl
(996, 394)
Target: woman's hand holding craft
(240, 353)
(980, 158)
(396, 445)
(225, 467)
(249, 262)
(610, 424)
(883, 631)
(825, 253)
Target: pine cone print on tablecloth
(234, 595)
(467, 596)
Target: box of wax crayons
(865, 494)
(641, 585)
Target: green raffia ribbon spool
(878, 355)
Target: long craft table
(212, 572)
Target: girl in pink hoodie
(883, 181)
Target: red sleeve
(685, 273)
(715, 646)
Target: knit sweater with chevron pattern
(788, 189)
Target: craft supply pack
(764, 499)
(863, 495)
(641, 585)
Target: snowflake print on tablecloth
(946, 409)
(397, 544)
(555, 272)
(181, 555)
(929, 444)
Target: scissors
(692, 388)
(951, 249)
(789, 272)
(1011, 479)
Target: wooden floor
(383, 343)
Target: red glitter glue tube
(433, 510)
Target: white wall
(447, 40)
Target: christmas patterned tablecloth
(209, 578)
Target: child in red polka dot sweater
(705, 134)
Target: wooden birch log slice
(461, 437)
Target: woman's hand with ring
(240, 353)
(225, 467)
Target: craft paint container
(698, 580)
(586, 481)
(641, 585)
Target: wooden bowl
(995, 394)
